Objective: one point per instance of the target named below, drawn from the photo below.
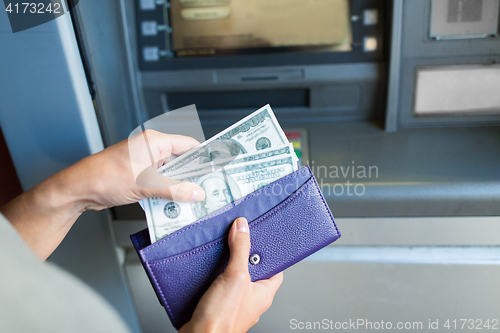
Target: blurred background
(394, 104)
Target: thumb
(156, 185)
(239, 247)
(183, 191)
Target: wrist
(54, 200)
(60, 194)
(74, 188)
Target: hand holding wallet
(288, 221)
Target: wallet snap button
(254, 259)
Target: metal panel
(49, 122)
(373, 283)
(419, 231)
(408, 83)
(395, 231)
(414, 173)
(44, 87)
(457, 90)
(419, 50)
(417, 43)
(377, 291)
(105, 44)
(391, 119)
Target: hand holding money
(239, 160)
(44, 214)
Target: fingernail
(242, 224)
(197, 195)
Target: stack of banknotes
(239, 160)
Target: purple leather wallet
(288, 220)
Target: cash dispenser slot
(228, 77)
(231, 100)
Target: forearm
(44, 215)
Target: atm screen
(221, 27)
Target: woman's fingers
(150, 150)
(164, 145)
(239, 247)
(183, 191)
(157, 185)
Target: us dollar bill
(258, 131)
(222, 187)
(240, 160)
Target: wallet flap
(216, 224)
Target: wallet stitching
(199, 249)
(222, 211)
(161, 290)
(150, 265)
(251, 225)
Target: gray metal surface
(338, 291)
(89, 252)
(392, 110)
(419, 50)
(415, 172)
(419, 231)
(395, 231)
(105, 43)
(49, 123)
(346, 285)
(390, 269)
(408, 84)
(421, 172)
(418, 44)
(194, 80)
(39, 102)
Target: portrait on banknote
(220, 190)
(221, 149)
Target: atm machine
(393, 104)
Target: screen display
(220, 27)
